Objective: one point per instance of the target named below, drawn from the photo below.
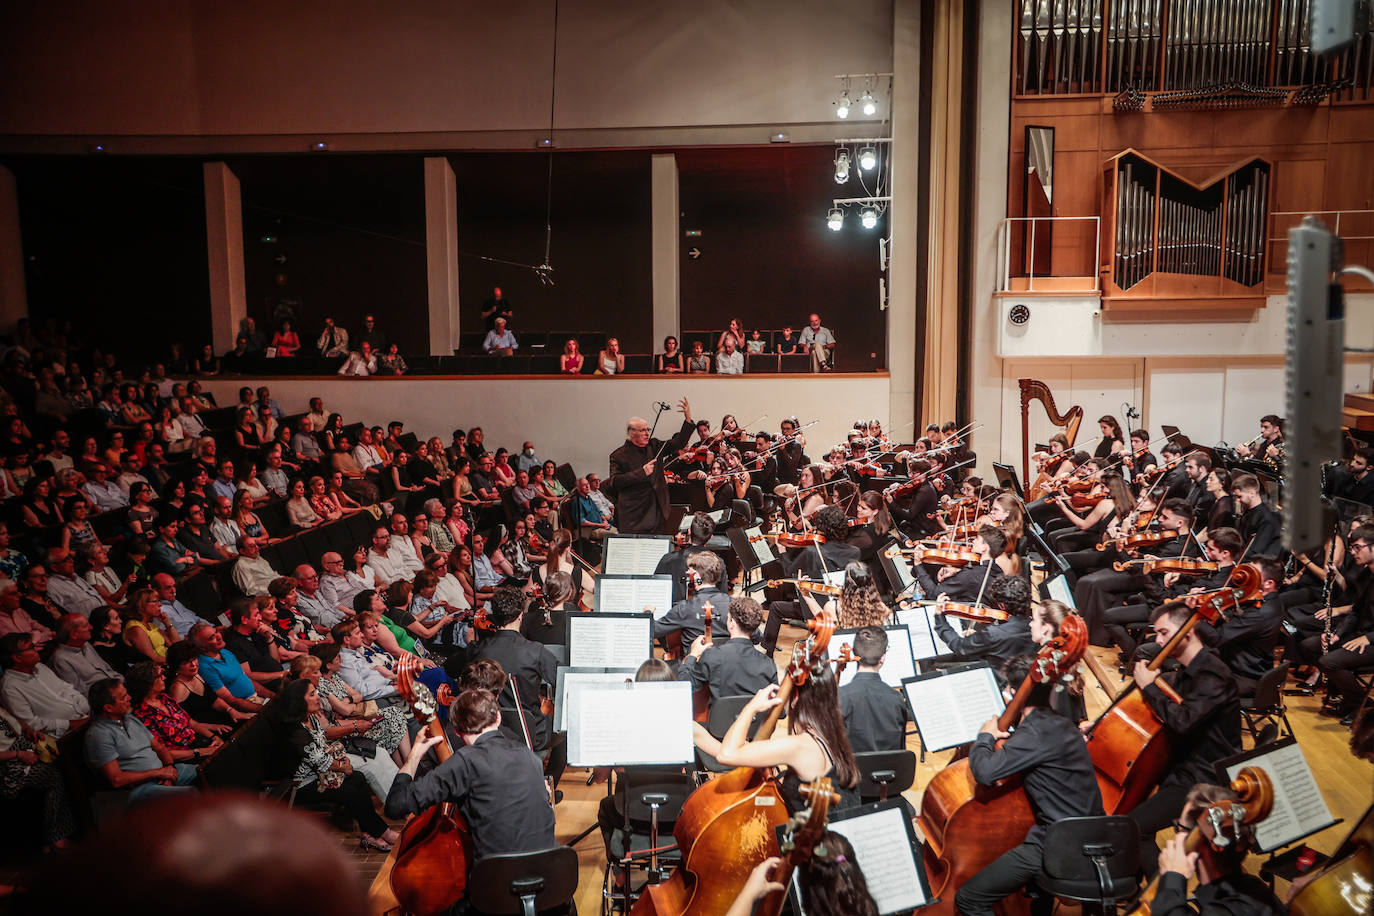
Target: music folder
(630, 724)
(634, 554)
(1299, 809)
(949, 705)
(897, 665)
(609, 640)
(633, 594)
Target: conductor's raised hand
(686, 409)
(649, 467)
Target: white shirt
(819, 335)
(340, 591)
(73, 595)
(252, 576)
(356, 365)
(42, 700)
(406, 548)
(366, 456)
(80, 667)
(191, 424)
(226, 533)
(729, 363)
(450, 591)
(603, 503)
(389, 567)
(361, 676)
(106, 496)
(318, 608)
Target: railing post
(1030, 267)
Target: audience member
(333, 340)
(819, 342)
(499, 340)
(120, 748)
(75, 660)
(729, 361)
(34, 693)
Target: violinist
(858, 463)
(1072, 469)
(1245, 639)
(1259, 523)
(1108, 501)
(1067, 696)
(495, 779)
(557, 558)
(1102, 589)
(1224, 889)
(687, 615)
(732, 667)
(1050, 462)
(1140, 460)
(870, 526)
(1178, 480)
(858, 605)
(815, 745)
(718, 484)
(965, 584)
(545, 620)
(919, 515)
(1356, 482)
(791, 454)
(1204, 728)
(805, 498)
(761, 464)
(1223, 511)
(813, 563)
(674, 562)
(1059, 780)
(1223, 546)
(875, 715)
(998, 642)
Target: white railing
(1281, 221)
(1005, 254)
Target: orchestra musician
(674, 563)
(792, 455)
(1112, 442)
(919, 514)
(998, 642)
(964, 584)
(1140, 460)
(1245, 639)
(1345, 649)
(687, 615)
(1204, 727)
(812, 562)
(802, 500)
(733, 667)
(496, 780)
(1268, 445)
(636, 481)
(1260, 525)
(875, 715)
(1059, 780)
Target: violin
(962, 532)
(431, 859)
(1139, 541)
(1254, 800)
(977, 612)
(1078, 502)
(1184, 566)
(816, 588)
(946, 556)
(1151, 476)
(798, 539)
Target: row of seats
(478, 363)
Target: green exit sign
(693, 233)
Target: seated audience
(75, 660)
(610, 361)
(120, 748)
(34, 693)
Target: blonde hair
(302, 664)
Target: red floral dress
(173, 727)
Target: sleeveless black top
(790, 785)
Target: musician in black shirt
(687, 616)
(674, 562)
(814, 563)
(1260, 525)
(636, 481)
(874, 714)
(999, 642)
(1245, 639)
(497, 782)
(1059, 779)
(734, 667)
(1346, 650)
(967, 583)
(1204, 728)
(919, 515)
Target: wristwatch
(195, 755)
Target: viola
(978, 612)
(1141, 541)
(706, 610)
(816, 588)
(1184, 566)
(967, 826)
(1242, 587)
(799, 539)
(431, 859)
(946, 556)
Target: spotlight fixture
(868, 217)
(835, 220)
(842, 105)
(842, 166)
(868, 158)
(867, 104)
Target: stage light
(869, 217)
(835, 220)
(867, 104)
(868, 158)
(842, 166)
(842, 105)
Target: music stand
(673, 523)
(1006, 478)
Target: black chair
(649, 800)
(522, 884)
(1093, 860)
(884, 773)
(199, 593)
(1266, 706)
(724, 712)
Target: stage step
(1354, 418)
(1360, 401)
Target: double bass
(966, 825)
(729, 824)
(432, 857)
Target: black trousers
(1005, 876)
(1117, 619)
(1339, 665)
(1153, 815)
(779, 611)
(1098, 592)
(354, 796)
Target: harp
(1035, 390)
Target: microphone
(662, 405)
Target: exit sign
(693, 233)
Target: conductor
(636, 479)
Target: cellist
(495, 779)
(1203, 728)
(1059, 781)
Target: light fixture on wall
(841, 166)
(871, 210)
(319, 146)
(842, 105)
(868, 158)
(867, 104)
(835, 220)
(868, 216)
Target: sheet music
(571, 680)
(835, 578)
(634, 556)
(1299, 809)
(925, 642)
(1059, 590)
(596, 641)
(717, 516)
(897, 665)
(660, 711)
(632, 594)
(899, 564)
(885, 855)
(950, 708)
(762, 551)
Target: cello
(729, 824)
(431, 859)
(799, 840)
(966, 825)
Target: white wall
(580, 420)
(1213, 377)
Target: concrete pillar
(14, 299)
(224, 243)
(904, 216)
(441, 254)
(665, 259)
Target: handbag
(365, 748)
